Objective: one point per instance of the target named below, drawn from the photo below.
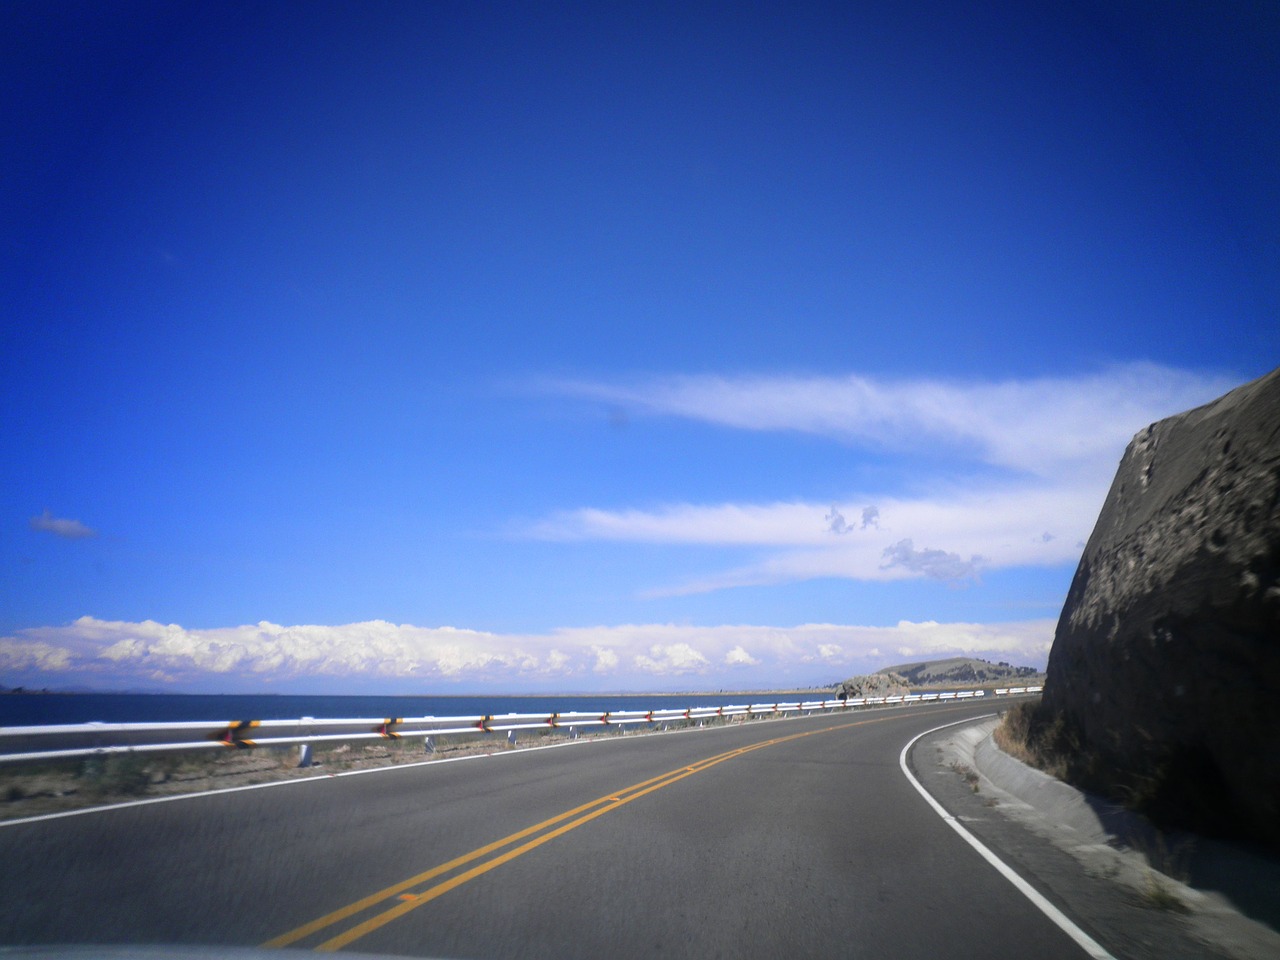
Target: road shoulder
(1088, 857)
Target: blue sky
(431, 348)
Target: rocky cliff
(1164, 675)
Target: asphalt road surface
(785, 838)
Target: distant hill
(958, 670)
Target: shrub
(127, 774)
(1025, 734)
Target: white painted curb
(1086, 942)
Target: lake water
(30, 709)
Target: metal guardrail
(69, 741)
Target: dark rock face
(1165, 668)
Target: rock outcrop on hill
(1165, 670)
(873, 685)
(960, 670)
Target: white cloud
(937, 564)
(377, 653)
(670, 658)
(16, 655)
(606, 661)
(1036, 426)
(1054, 444)
(60, 527)
(1001, 524)
(692, 523)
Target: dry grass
(1036, 745)
(1024, 734)
(1158, 894)
(967, 774)
(1175, 786)
(34, 789)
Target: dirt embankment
(35, 790)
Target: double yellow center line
(411, 893)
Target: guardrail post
(511, 737)
(304, 749)
(429, 745)
(233, 736)
(573, 733)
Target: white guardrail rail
(68, 741)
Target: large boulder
(1164, 677)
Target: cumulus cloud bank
(387, 657)
(1046, 448)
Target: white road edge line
(1086, 942)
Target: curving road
(797, 837)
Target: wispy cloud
(59, 527)
(1046, 448)
(406, 658)
(1037, 426)
(1003, 526)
